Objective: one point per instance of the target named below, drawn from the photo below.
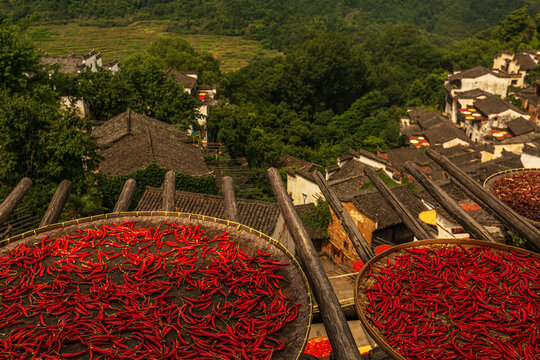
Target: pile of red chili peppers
(141, 293)
(521, 192)
(457, 302)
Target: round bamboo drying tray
(294, 334)
(363, 281)
(488, 183)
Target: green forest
(348, 73)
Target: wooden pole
(404, 214)
(359, 242)
(229, 199)
(12, 200)
(124, 200)
(512, 219)
(449, 204)
(57, 203)
(335, 323)
(169, 189)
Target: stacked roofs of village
(75, 64)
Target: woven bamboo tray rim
(363, 281)
(488, 183)
(206, 222)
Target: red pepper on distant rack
(114, 293)
(458, 302)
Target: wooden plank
(357, 239)
(449, 204)
(335, 323)
(229, 199)
(169, 189)
(57, 203)
(404, 214)
(513, 220)
(12, 200)
(124, 200)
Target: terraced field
(122, 41)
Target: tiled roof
(181, 77)
(399, 156)
(260, 215)
(525, 61)
(350, 168)
(472, 94)
(454, 191)
(474, 73)
(425, 118)
(313, 232)
(67, 64)
(304, 171)
(369, 155)
(520, 126)
(481, 171)
(443, 132)
(133, 141)
(494, 105)
(370, 203)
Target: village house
(205, 94)
(186, 78)
(345, 179)
(479, 112)
(427, 128)
(375, 220)
(530, 157)
(301, 185)
(367, 158)
(517, 64)
(74, 64)
(150, 140)
(447, 227)
(495, 82)
(530, 100)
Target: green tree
(19, 60)
(515, 23)
(324, 72)
(177, 53)
(262, 150)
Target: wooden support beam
(335, 323)
(359, 242)
(449, 204)
(229, 199)
(404, 214)
(12, 200)
(124, 200)
(57, 203)
(513, 220)
(169, 189)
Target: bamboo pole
(449, 204)
(404, 214)
(229, 199)
(12, 200)
(359, 242)
(124, 200)
(335, 323)
(512, 219)
(169, 189)
(57, 203)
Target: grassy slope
(122, 41)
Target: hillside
(113, 42)
(280, 24)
